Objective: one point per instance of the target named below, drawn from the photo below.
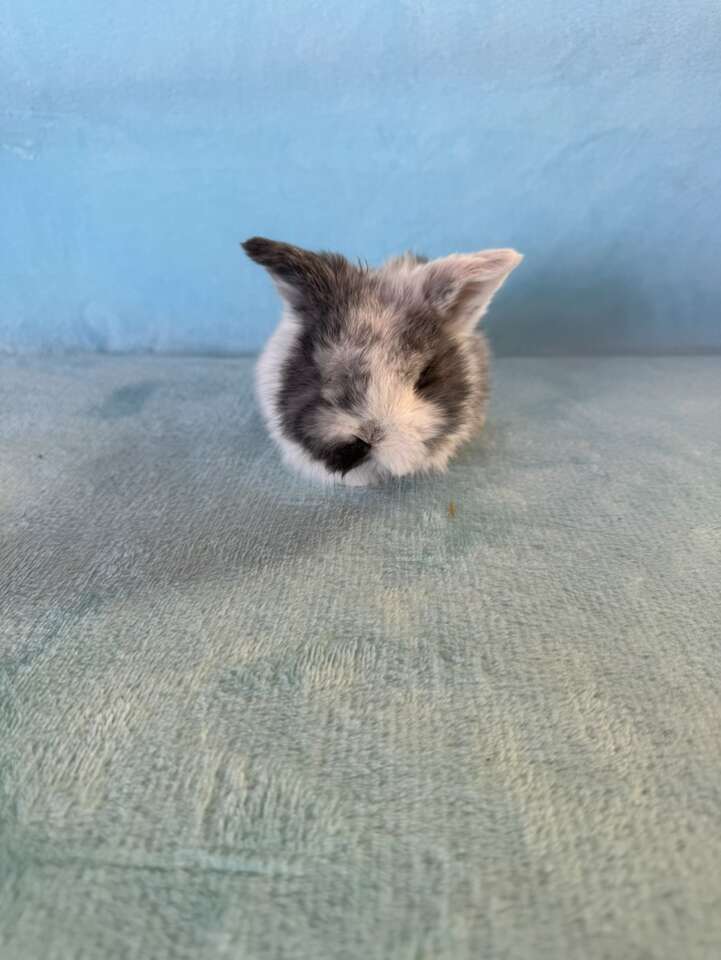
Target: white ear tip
(496, 263)
(508, 257)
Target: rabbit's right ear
(301, 276)
(462, 285)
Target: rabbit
(375, 373)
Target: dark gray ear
(462, 285)
(300, 275)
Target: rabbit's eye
(425, 378)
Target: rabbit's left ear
(302, 277)
(462, 285)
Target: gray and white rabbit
(376, 373)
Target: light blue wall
(141, 141)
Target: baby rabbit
(375, 373)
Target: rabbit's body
(375, 373)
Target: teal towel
(246, 717)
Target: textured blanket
(469, 717)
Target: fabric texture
(474, 716)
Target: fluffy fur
(374, 373)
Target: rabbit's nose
(344, 457)
(372, 432)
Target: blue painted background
(139, 142)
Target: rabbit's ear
(462, 285)
(301, 276)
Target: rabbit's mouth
(345, 457)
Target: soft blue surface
(141, 141)
(243, 717)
